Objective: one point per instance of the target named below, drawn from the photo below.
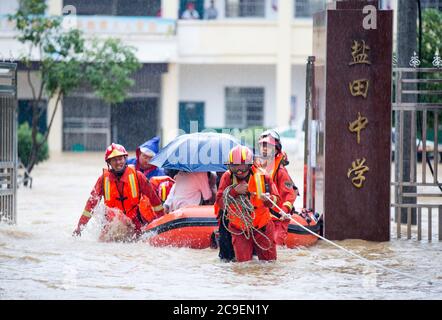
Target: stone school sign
(351, 119)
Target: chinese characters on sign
(358, 168)
(357, 125)
(358, 88)
(358, 52)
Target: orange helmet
(114, 150)
(240, 155)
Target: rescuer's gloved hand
(77, 232)
(241, 188)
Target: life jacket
(272, 171)
(273, 167)
(130, 201)
(257, 185)
(162, 186)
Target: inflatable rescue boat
(193, 227)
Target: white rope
(346, 250)
(245, 211)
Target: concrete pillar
(55, 138)
(169, 103)
(169, 9)
(283, 64)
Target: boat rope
(242, 208)
(347, 250)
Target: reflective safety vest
(162, 186)
(272, 170)
(256, 186)
(273, 167)
(130, 202)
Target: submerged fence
(416, 178)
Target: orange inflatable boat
(193, 227)
(186, 227)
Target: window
(116, 7)
(244, 107)
(245, 8)
(306, 8)
(86, 124)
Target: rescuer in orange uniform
(127, 193)
(162, 186)
(273, 161)
(252, 230)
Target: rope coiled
(241, 208)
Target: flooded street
(39, 259)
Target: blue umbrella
(196, 152)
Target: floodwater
(39, 259)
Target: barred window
(116, 7)
(244, 107)
(306, 8)
(245, 8)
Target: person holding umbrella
(189, 189)
(144, 155)
(242, 198)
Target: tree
(431, 36)
(431, 44)
(68, 61)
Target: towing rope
(241, 207)
(348, 251)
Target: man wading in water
(240, 202)
(128, 196)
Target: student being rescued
(190, 189)
(144, 154)
(242, 197)
(128, 196)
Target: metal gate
(417, 191)
(8, 142)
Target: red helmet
(240, 155)
(114, 150)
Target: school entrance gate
(8, 142)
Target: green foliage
(109, 74)
(431, 36)
(25, 144)
(68, 61)
(431, 44)
(31, 22)
(62, 65)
